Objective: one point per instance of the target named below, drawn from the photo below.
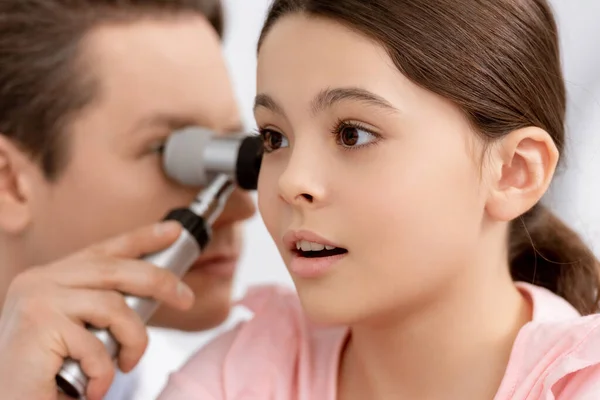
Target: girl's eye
(273, 140)
(352, 135)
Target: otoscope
(195, 157)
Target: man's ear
(521, 167)
(15, 187)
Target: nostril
(307, 197)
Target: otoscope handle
(177, 258)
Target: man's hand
(47, 307)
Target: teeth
(317, 247)
(312, 246)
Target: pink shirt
(280, 355)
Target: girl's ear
(522, 165)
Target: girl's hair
(43, 83)
(499, 62)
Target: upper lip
(292, 237)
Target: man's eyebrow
(327, 98)
(169, 121)
(175, 122)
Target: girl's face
(362, 159)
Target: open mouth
(317, 250)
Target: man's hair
(44, 82)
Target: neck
(10, 265)
(456, 347)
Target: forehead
(303, 55)
(168, 66)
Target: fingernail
(184, 291)
(165, 228)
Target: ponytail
(545, 252)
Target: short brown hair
(42, 81)
(499, 61)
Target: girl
(408, 144)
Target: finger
(134, 277)
(93, 359)
(108, 310)
(140, 242)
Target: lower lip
(223, 269)
(311, 268)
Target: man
(89, 90)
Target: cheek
(128, 186)
(100, 199)
(419, 210)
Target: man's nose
(239, 207)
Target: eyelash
(341, 124)
(336, 130)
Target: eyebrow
(176, 122)
(266, 101)
(327, 98)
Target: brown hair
(499, 62)
(43, 81)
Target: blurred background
(575, 194)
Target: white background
(575, 195)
